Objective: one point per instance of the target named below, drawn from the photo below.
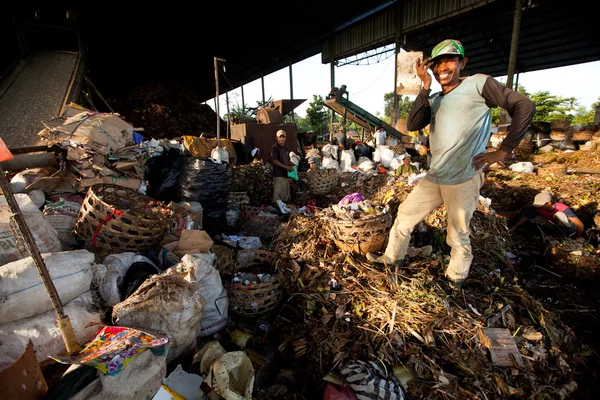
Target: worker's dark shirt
(281, 153)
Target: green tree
(404, 106)
(549, 107)
(317, 118)
(584, 116)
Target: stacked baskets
(115, 219)
(261, 297)
(361, 236)
(321, 181)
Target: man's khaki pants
(460, 200)
(281, 189)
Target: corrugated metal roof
(127, 45)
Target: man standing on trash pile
(460, 119)
(558, 213)
(280, 156)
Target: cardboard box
(116, 180)
(191, 242)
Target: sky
(368, 83)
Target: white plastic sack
(312, 153)
(414, 178)
(386, 155)
(109, 275)
(43, 331)
(330, 163)
(395, 163)
(523, 166)
(364, 164)
(215, 313)
(22, 179)
(294, 158)
(169, 302)
(220, 154)
(347, 160)
(44, 235)
(330, 150)
(231, 376)
(250, 242)
(37, 197)
(22, 293)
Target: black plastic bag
(207, 182)
(162, 174)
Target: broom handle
(62, 319)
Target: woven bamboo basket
(525, 147)
(115, 219)
(259, 298)
(361, 236)
(321, 181)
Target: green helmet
(448, 46)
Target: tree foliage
(549, 107)
(404, 106)
(317, 118)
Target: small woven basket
(321, 181)
(259, 298)
(525, 147)
(361, 236)
(115, 219)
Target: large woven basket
(115, 219)
(321, 181)
(259, 298)
(361, 236)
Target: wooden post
(512, 61)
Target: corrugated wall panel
(380, 30)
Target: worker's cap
(281, 133)
(448, 46)
(541, 199)
(254, 151)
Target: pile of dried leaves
(168, 111)
(493, 339)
